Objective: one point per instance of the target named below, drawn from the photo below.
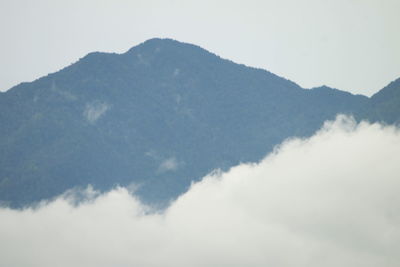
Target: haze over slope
(158, 116)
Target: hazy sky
(352, 45)
(330, 200)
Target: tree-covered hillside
(157, 117)
(384, 105)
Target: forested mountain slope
(158, 116)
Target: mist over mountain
(157, 117)
(325, 200)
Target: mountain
(384, 106)
(157, 117)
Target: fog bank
(329, 200)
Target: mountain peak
(157, 44)
(161, 40)
(322, 87)
(390, 90)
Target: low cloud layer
(330, 200)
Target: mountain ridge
(156, 41)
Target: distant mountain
(159, 116)
(384, 106)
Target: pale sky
(352, 45)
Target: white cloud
(93, 111)
(169, 164)
(330, 200)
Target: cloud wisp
(329, 200)
(93, 111)
(169, 164)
